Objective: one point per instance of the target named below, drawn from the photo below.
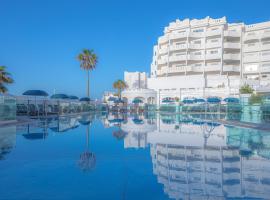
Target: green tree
(88, 61)
(5, 78)
(119, 85)
(246, 89)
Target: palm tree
(5, 78)
(88, 61)
(119, 85)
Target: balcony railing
(163, 39)
(230, 56)
(265, 69)
(251, 47)
(266, 34)
(196, 34)
(163, 50)
(209, 68)
(265, 46)
(255, 57)
(213, 44)
(213, 32)
(232, 34)
(196, 46)
(178, 35)
(265, 56)
(197, 68)
(231, 45)
(196, 57)
(177, 58)
(162, 61)
(178, 47)
(213, 56)
(177, 69)
(231, 68)
(250, 37)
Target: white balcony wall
(254, 57)
(232, 34)
(231, 45)
(177, 58)
(230, 56)
(250, 47)
(213, 32)
(231, 68)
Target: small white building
(137, 88)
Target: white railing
(177, 58)
(197, 34)
(232, 34)
(231, 68)
(213, 44)
(213, 56)
(196, 46)
(251, 47)
(213, 32)
(216, 67)
(195, 57)
(232, 45)
(163, 39)
(231, 56)
(178, 47)
(178, 35)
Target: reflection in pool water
(165, 156)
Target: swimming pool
(146, 156)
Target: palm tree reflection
(87, 159)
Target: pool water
(146, 156)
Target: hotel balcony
(232, 34)
(213, 33)
(177, 58)
(231, 68)
(196, 34)
(178, 35)
(213, 45)
(163, 51)
(197, 68)
(196, 46)
(178, 47)
(162, 61)
(177, 69)
(265, 56)
(252, 58)
(266, 34)
(251, 37)
(231, 45)
(213, 56)
(162, 71)
(265, 69)
(196, 57)
(210, 68)
(163, 39)
(265, 46)
(251, 47)
(230, 56)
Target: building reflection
(200, 159)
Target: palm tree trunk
(88, 84)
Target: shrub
(246, 89)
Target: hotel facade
(210, 57)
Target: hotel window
(197, 42)
(251, 44)
(198, 53)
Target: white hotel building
(210, 57)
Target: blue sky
(40, 39)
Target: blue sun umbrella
(73, 97)
(213, 100)
(59, 96)
(118, 101)
(188, 101)
(199, 100)
(231, 100)
(40, 93)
